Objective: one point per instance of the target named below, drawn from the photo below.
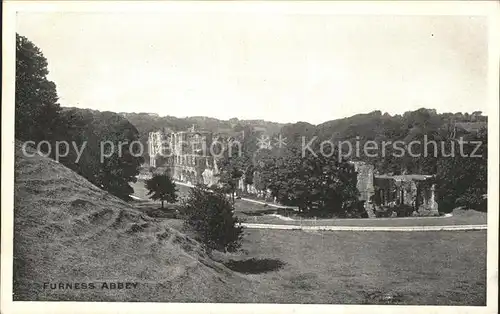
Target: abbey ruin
(184, 155)
(187, 157)
(416, 192)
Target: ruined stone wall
(413, 191)
(188, 155)
(154, 146)
(210, 177)
(428, 199)
(252, 188)
(365, 182)
(433, 204)
(192, 143)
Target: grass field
(350, 267)
(460, 217)
(443, 267)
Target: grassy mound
(68, 231)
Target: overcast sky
(272, 66)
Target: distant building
(417, 192)
(186, 155)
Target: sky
(275, 66)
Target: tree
(315, 183)
(210, 215)
(462, 180)
(88, 130)
(162, 187)
(36, 108)
(230, 171)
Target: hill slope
(69, 231)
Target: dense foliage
(107, 158)
(210, 215)
(462, 181)
(230, 172)
(37, 109)
(314, 183)
(296, 180)
(237, 160)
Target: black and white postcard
(250, 157)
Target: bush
(356, 210)
(210, 215)
(403, 210)
(424, 213)
(473, 199)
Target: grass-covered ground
(460, 217)
(443, 267)
(361, 267)
(368, 267)
(440, 268)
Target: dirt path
(367, 228)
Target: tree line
(318, 184)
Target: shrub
(473, 198)
(403, 210)
(210, 215)
(382, 211)
(356, 210)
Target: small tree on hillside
(162, 187)
(210, 215)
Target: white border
(485, 8)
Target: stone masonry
(185, 155)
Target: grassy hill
(69, 231)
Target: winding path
(365, 228)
